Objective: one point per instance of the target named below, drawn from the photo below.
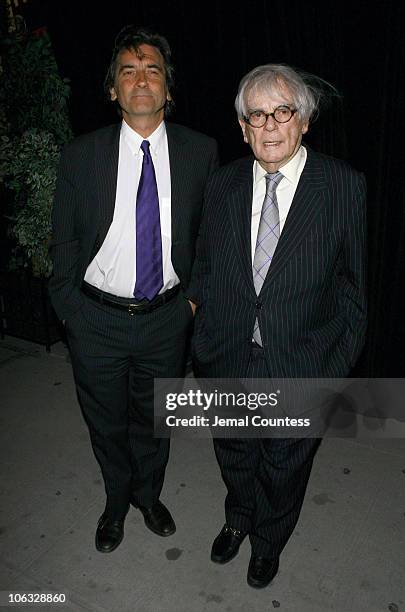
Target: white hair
(305, 89)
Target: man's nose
(270, 124)
(141, 80)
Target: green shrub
(33, 128)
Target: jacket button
(258, 305)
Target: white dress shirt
(285, 191)
(113, 269)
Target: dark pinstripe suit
(115, 356)
(312, 316)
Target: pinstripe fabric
(115, 357)
(312, 306)
(266, 480)
(312, 316)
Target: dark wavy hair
(131, 38)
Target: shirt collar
(291, 171)
(134, 140)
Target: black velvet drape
(357, 46)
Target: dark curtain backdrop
(356, 46)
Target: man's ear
(169, 97)
(304, 128)
(113, 94)
(243, 128)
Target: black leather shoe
(226, 544)
(261, 571)
(158, 519)
(109, 534)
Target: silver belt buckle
(132, 309)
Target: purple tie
(149, 268)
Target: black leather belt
(130, 305)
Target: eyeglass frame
(267, 115)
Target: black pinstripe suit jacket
(312, 306)
(85, 198)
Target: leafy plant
(32, 178)
(33, 129)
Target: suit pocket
(201, 341)
(74, 318)
(74, 325)
(188, 308)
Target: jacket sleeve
(65, 243)
(197, 290)
(353, 280)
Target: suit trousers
(115, 358)
(266, 480)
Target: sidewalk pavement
(347, 553)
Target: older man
(126, 216)
(279, 281)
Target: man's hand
(193, 306)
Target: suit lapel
(106, 170)
(239, 202)
(306, 205)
